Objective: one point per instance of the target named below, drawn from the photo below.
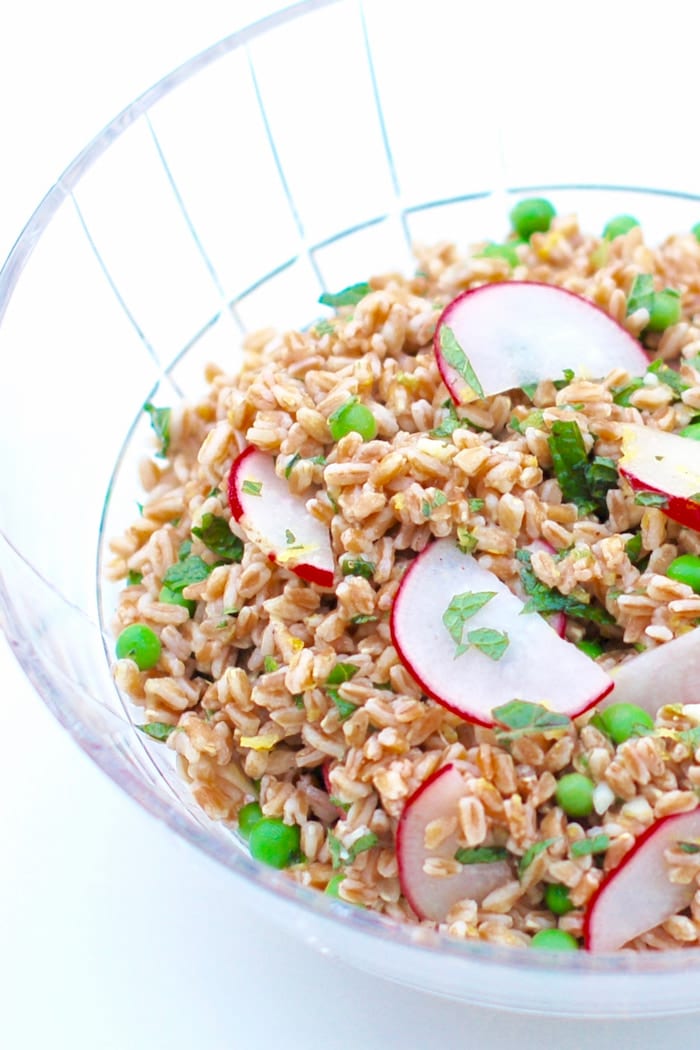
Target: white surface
(113, 933)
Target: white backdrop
(113, 933)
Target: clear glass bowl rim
(373, 927)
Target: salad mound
(414, 595)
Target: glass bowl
(226, 198)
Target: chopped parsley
(157, 730)
(160, 421)
(481, 854)
(216, 535)
(544, 599)
(520, 718)
(349, 296)
(252, 488)
(457, 359)
(341, 854)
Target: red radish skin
(518, 332)
(638, 895)
(666, 464)
(560, 675)
(266, 518)
(429, 896)
(668, 674)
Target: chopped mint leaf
(157, 730)
(688, 847)
(133, 578)
(668, 376)
(438, 500)
(216, 535)
(465, 540)
(270, 664)
(585, 847)
(192, 569)
(363, 618)
(532, 419)
(252, 488)
(532, 852)
(184, 550)
(457, 359)
(342, 673)
(449, 424)
(345, 707)
(160, 421)
(289, 537)
(521, 718)
(488, 641)
(622, 394)
(341, 854)
(582, 482)
(475, 505)
(323, 327)
(641, 294)
(461, 608)
(339, 802)
(651, 499)
(349, 296)
(529, 389)
(481, 854)
(633, 548)
(357, 567)
(543, 599)
(290, 464)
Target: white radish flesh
(639, 895)
(519, 332)
(277, 520)
(537, 665)
(432, 896)
(668, 674)
(666, 464)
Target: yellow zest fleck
(546, 244)
(262, 742)
(398, 502)
(297, 645)
(293, 554)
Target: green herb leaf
(545, 600)
(633, 548)
(357, 567)
(342, 673)
(622, 394)
(669, 377)
(289, 537)
(290, 464)
(461, 608)
(216, 535)
(641, 294)
(363, 618)
(160, 421)
(349, 296)
(345, 707)
(449, 424)
(298, 700)
(270, 664)
(341, 854)
(475, 505)
(529, 390)
(584, 847)
(532, 852)
(184, 550)
(465, 540)
(688, 847)
(581, 482)
(651, 499)
(438, 500)
(252, 488)
(691, 737)
(334, 800)
(522, 718)
(481, 854)
(183, 573)
(133, 578)
(323, 327)
(533, 419)
(456, 357)
(488, 641)
(157, 730)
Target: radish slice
(432, 896)
(278, 521)
(518, 332)
(664, 464)
(537, 665)
(668, 674)
(638, 895)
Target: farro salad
(413, 596)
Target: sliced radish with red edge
(502, 336)
(537, 665)
(432, 896)
(664, 465)
(638, 894)
(667, 674)
(277, 520)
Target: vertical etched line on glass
(211, 269)
(145, 341)
(383, 128)
(286, 189)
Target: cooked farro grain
(291, 692)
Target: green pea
(334, 885)
(139, 643)
(622, 721)
(575, 795)
(533, 215)
(248, 816)
(557, 899)
(590, 648)
(618, 226)
(352, 416)
(555, 941)
(665, 310)
(691, 431)
(501, 251)
(695, 230)
(275, 843)
(686, 569)
(171, 597)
